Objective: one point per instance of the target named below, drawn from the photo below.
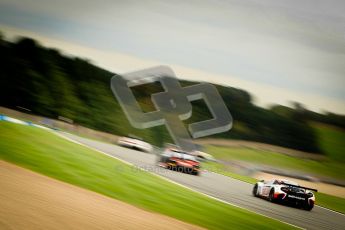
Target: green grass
(332, 140)
(332, 202)
(46, 153)
(226, 171)
(326, 168)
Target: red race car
(180, 161)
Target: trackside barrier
(17, 121)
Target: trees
(52, 85)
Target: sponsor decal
(296, 197)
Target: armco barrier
(17, 121)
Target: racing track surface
(225, 188)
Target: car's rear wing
(297, 186)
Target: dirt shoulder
(32, 201)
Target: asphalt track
(225, 188)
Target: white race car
(203, 156)
(135, 143)
(286, 192)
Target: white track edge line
(171, 181)
(331, 210)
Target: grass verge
(332, 202)
(325, 168)
(226, 171)
(46, 153)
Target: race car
(285, 192)
(178, 160)
(134, 143)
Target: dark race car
(285, 192)
(180, 161)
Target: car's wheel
(255, 190)
(271, 196)
(308, 206)
(195, 173)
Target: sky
(279, 51)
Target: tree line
(51, 84)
